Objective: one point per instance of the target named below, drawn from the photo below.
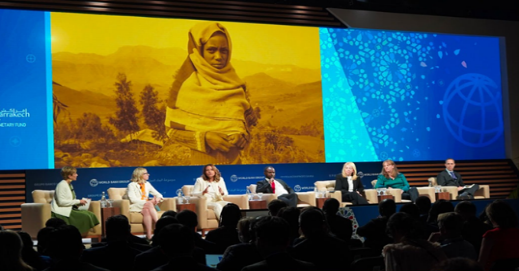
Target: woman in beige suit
(212, 186)
(64, 204)
(138, 191)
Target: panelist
(277, 187)
(138, 190)
(390, 178)
(64, 204)
(449, 177)
(350, 184)
(212, 186)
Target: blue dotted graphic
(397, 86)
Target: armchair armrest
(201, 210)
(483, 191)
(453, 190)
(371, 196)
(306, 198)
(336, 195)
(124, 204)
(95, 207)
(168, 204)
(34, 216)
(428, 192)
(397, 193)
(241, 200)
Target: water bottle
(103, 200)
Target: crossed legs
(149, 217)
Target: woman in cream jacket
(212, 186)
(64, 204)
(138, 191)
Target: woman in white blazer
(138, 191)
(212, 186)
(64, 204)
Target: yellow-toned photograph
(132, 91)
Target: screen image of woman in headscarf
(208, 109)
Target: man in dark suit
(449, 177)
(272, 241)
(276, 186)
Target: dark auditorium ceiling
(290, 12)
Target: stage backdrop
(97, 91)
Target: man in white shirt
(277, 187)
(449, 177)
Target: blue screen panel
(410, 96)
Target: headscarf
(210, 99)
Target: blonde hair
(352, 165)
(11, 251)
(217, 174)
(395, 170)
(137, 175)
(67, 171)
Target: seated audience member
(410, 251)
(117, 254)
(439, 207)
(458, 264)
(55, 222)
(291, 216)
(190, 220)
(240, 255)
(155, 256)
(272, 242)
(276, 205)
(178, 244)
(319, 247)
(411, 209)
(339, 226)
(11, 252)
(424, 203)
(43, 238)
(66, 249)
(277, 187)
(449, 177)
(390, 178)
(169, 213)
(350, 185)
(226, 234)
(501, 242)
(375, 230)
(452, 243)
(473, 228)
(31, 256)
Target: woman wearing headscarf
(208, 110)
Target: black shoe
(463, 196)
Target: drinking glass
(260, 196)
(186, 198)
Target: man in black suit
(276, 186)
(449, 177)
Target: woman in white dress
(212, 186)
(138, 191)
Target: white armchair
(206, 217)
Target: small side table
(383, 197)
(106, 213)
(320, 202)
(443, 195)
(186, 206)
(257, 204)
